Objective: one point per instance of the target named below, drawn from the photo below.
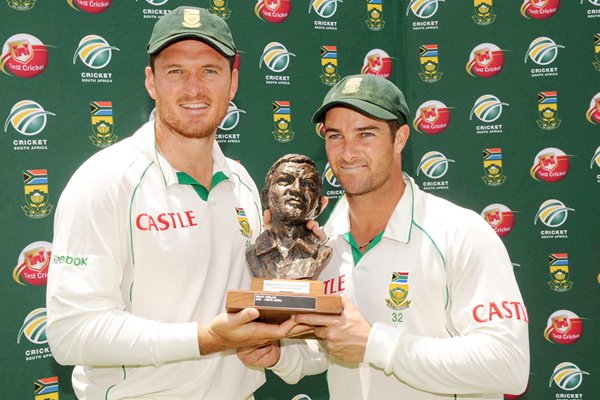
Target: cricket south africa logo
(94, 51)
(542, 51)
(492, 167)
(219, 8)
(34, 327)
(33, 263)
(274, 11)
(567, 376)
(593, 112)
(539, 9)
(375, 20)
(486, 60)
(434, 165)
(24, 56)
(488, 109)
(560, 280)
(377, 62)
(90, 6)
(37, 199)
(432, 117)
(232, 118)
(500, 218)
(552, 213)
(324, 8)
(548, 110)
(276, 57)
(563, 327)
(282, 119)
(550, 165)
(430, 68)
(103, 130)
(484, 12)
(398, 292)
(27, 117)
(329, 65)
(423, 8)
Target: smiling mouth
(194, 106)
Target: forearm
(480, 362)
(115, 337)
(300, 358)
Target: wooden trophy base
(278, 299)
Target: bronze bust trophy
(288, 250)
(286, 258)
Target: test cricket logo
(329, 65)
(94, 51)
(34, 327)
(539, 9)
(559, 272)
(486, 60)
(492, 167)
(32, 265)
(552, 213)
(246, 231)
(377, 62)
(282, 120)
(484, 12)
(432, 117)
(375, 20)
(398, 292)
(46, 388)
(500, 218)
(219, 8)
(593, 113)
(548, 110)
(550, 165)
(430, 68)
(276, 57)
(27, 117)
(35, 185)
(274, 11)
(90, 6)
(434, 165)
(567, 376)
(103, 131)
(597, 51)
(563, 327)
(23, 55)
(21, 5)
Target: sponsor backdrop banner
(505, 118)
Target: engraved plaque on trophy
(286, 258)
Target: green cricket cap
(195, 23)
(368, 94)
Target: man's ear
(401, 137)
(150, 83)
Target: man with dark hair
(288, 249)
(159, 224)
(432, 310)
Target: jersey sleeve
(488, 348)
(299, 358)
(86, 302)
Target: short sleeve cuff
(382, 345)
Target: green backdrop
(505, 104)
